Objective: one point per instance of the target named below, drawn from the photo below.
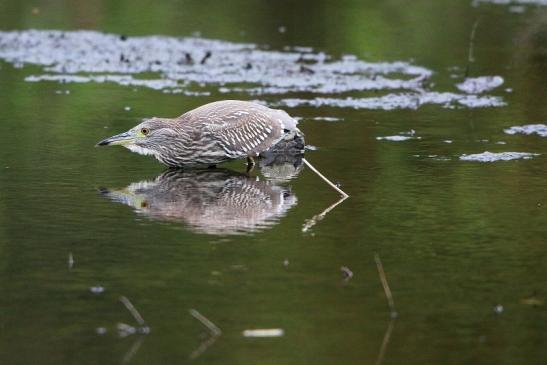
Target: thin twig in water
(470, 55)
(316, 218)
(344, 195)
(133, 350)
(385, 342)
(132, 310)
(203, 346)
(206, 322)
(215, 333)
(387, 291)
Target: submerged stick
(470, 56)
(387, 291)
(206, 322)
(132, 310)
(344, 195)
(132, 350)
(215, 333)
(385, 342)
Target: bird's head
(151, 137)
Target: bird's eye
(145, 131)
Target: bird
(213, 133)
(212, 201)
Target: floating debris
(478, 85)
(498, 309)
(101, 330)
(125, 80)
(97, 289)
(127, 108)
(70, 261)
(448, 141)
(405, 136)
(327, 119)
(400, 101)
(395, 138)
(270, 332)
(510, 2)
(539, 129)
(348, 274)
(499, 156)
(533, 301)
(88, 56)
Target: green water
(463, 244)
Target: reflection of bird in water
(214, 201)
(280, 166)
(213, 133)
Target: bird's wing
(241, 128)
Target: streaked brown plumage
(213, 133)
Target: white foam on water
(189, 65)
(400, 101)
(539, 129)
(510, 2)
(498, 156)
(478, 85)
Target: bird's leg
(250, 163)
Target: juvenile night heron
(213, 133)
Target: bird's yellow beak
(123, 139)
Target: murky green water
(463, 243)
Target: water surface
(462, 242)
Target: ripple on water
(188, 65)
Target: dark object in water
(208, 54)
